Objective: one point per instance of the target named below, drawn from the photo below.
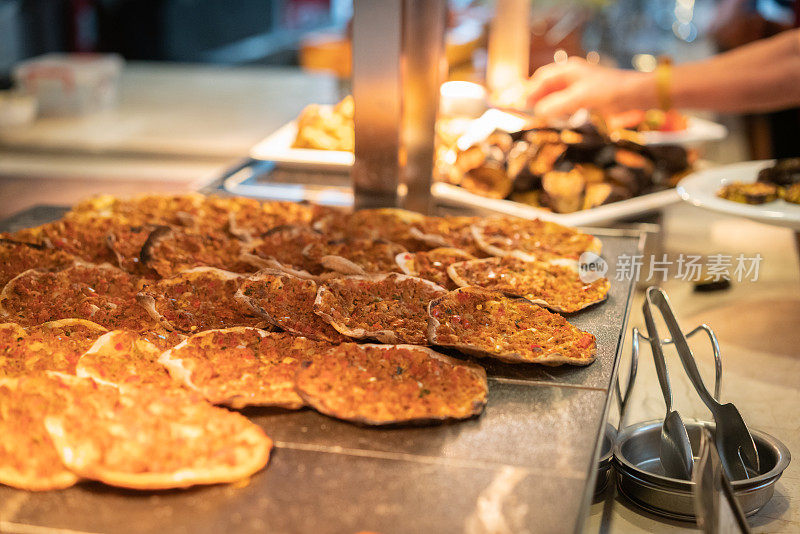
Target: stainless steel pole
(424, 66)
(377, 45)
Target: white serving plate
(700, 188)
(451, 194)
(278, 148)
(697, 131)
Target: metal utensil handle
(622, 399)
(717, 357)
(658, 353)
(659, 299)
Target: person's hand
(562, 88)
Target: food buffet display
(259, 357)
(590, 170)
(179, 314)
(121, 301)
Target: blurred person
(758, 77)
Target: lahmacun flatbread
(122, 358)
(52, 346)
(333, 223)
(390, 224)
(151, 438)
(169, 251)
(218, 212)
(486, 323)
(197, 299)
(432, 264)
(391, 308)
(283, 246)
(161, 337)
(389, 384)
(84, 239)
(28, 459)
(126, 243)
(451, 232)
(252, 222)
(247, 218)
(241, 367)
(287, 302)
(556, 287)
(176, 209)
(532, 240)
(98, 205)
(412, 230)
(17, 257)
(10, 333)
(102, 294)
(188, 210)
(355, 256)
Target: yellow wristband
(663, 75)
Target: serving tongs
(735, 445)
(676, 450)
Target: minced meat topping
(101, 294)
(432, 264)
(379, 385)
(124, 358)
(373, 256)
(544, 240)
(194, 301)
(390, 308)
(508, 329)
(246, 366)
(288, 302)
(54, 346)
(557, 287)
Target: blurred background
(173, 91)
(273, 31)
(313, 34)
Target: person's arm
(762, 76)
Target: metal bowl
(606, 456)
(641, 478)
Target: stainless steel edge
(592, 480)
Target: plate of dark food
(765, 191)
(577, 173)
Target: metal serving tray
(529, 463)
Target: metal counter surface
(525, 465)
